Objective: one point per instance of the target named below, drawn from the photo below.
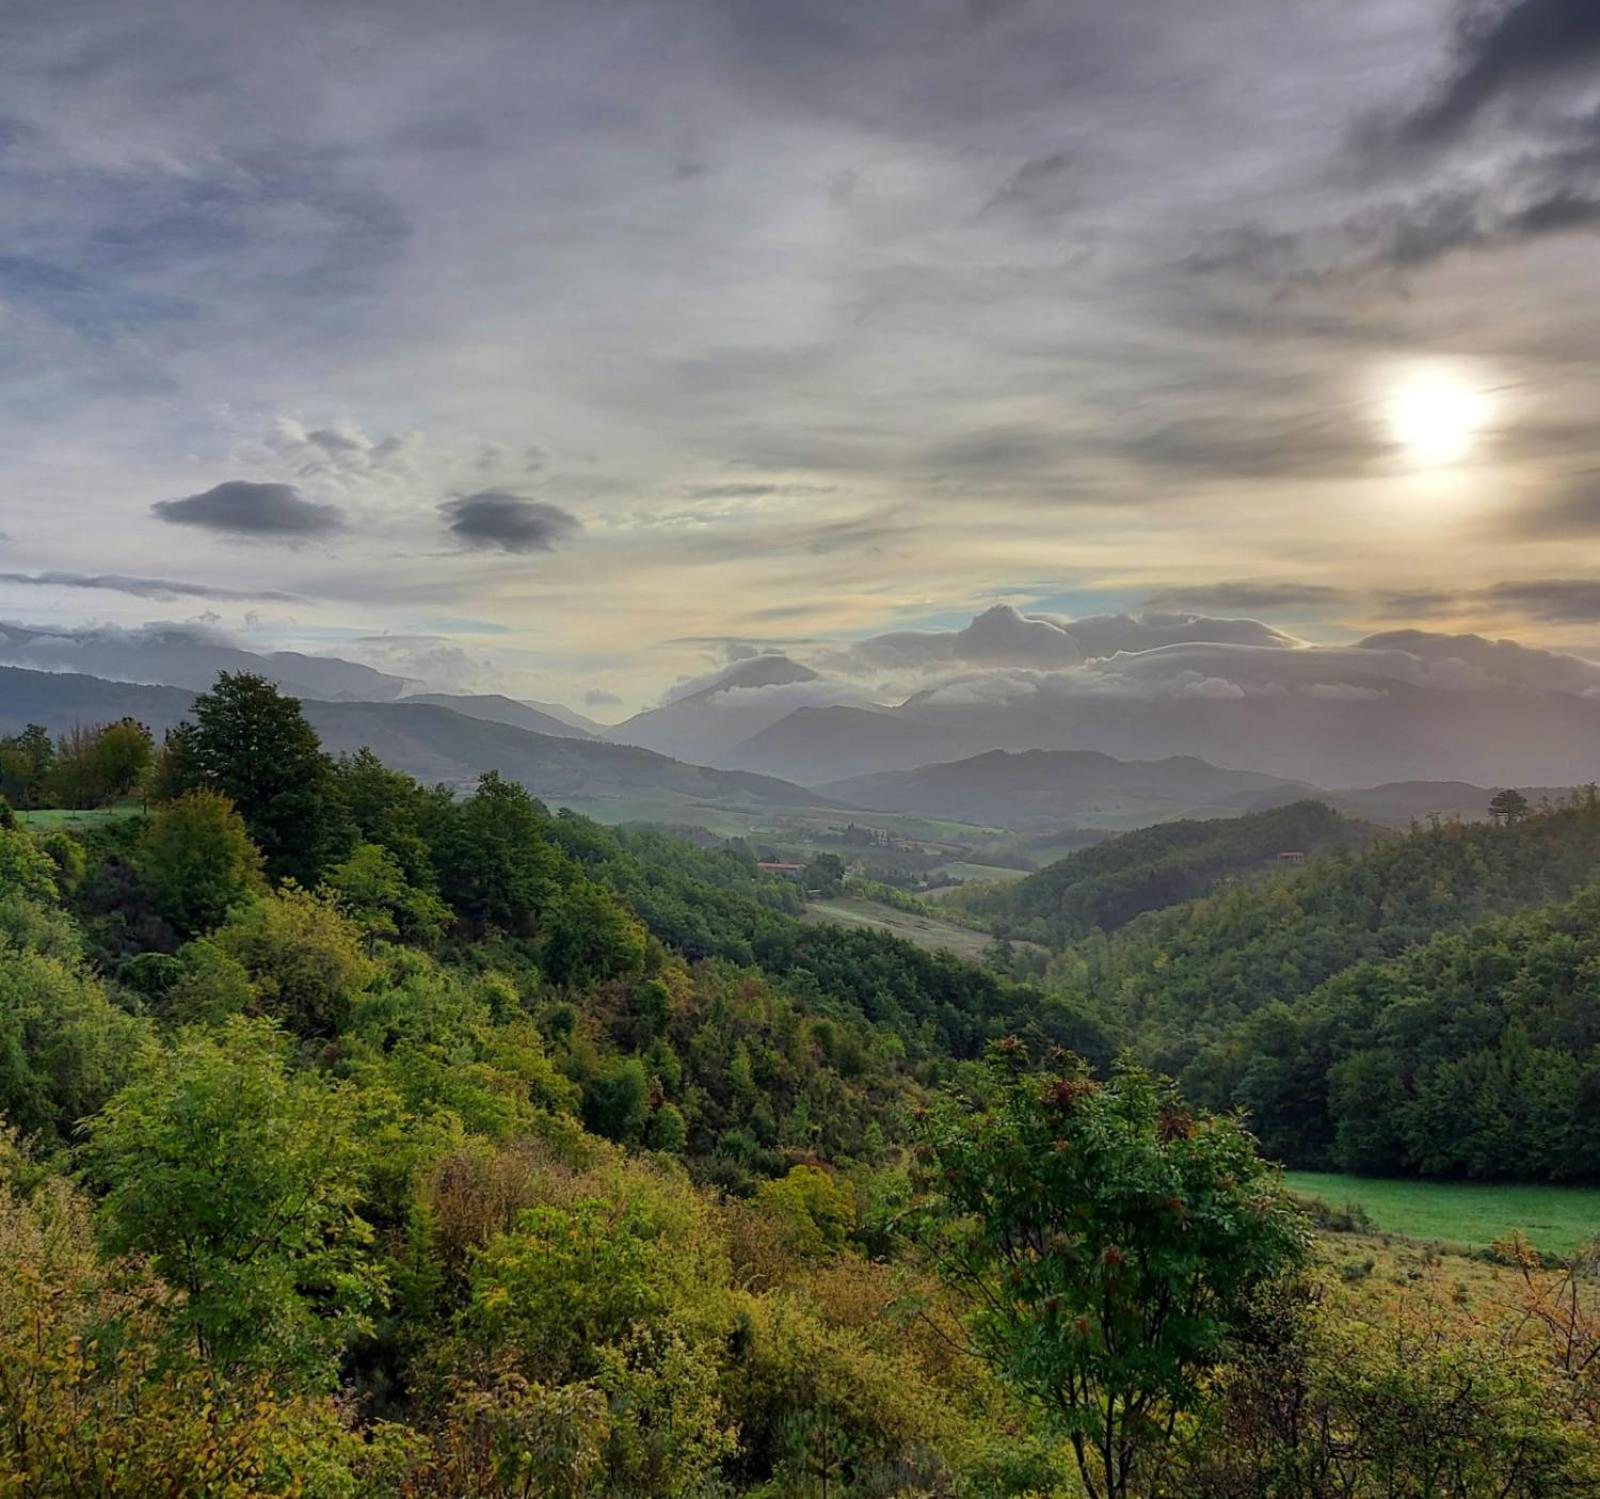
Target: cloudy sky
(558, 347)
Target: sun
(1435, 414)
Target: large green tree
(252, 743)
(1112, 1245)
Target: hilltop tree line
(82, 768)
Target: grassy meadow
(1470, 1214)
(927, 933)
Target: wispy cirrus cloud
(147, 588)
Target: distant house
(1291, 856)
(775, 866)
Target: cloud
(1295, 444)
(434, 660)
(1575, 510)
(1559, 599)
(1529, 205)
(1503, 661)
(1248, 595)
(1504, 50)
(240, 507)
(599, 697)
(1414, 603)
(147, 588)
(1003, 636)
(493, 518)
(1043, 188)
(1003, 452)
(754, 491)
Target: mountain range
(1015, 720)
(426, 739)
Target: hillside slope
(1109, 884)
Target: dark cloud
(147, 588)
(1041, 188)
(754, 491)
(242, 508)
(1249, 595)
(1404, 236)
(1416, 603)
(494, 518)
(1561, 600)
(1253, 448)
(1000, 453)
(599, 697)
(1573, 511)
(1502, 50)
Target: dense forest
(1105, 886)
(366, 1138)
(1424, 1007)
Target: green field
(65, 817)
(795, 826)
(964, 870)
(1555, 1219)
(935, 936)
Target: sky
(570, 349)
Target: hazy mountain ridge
(494, 708)
(1035, 788)
(182, 656)
(431, 742)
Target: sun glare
(1435, 414)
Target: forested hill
(1232, 993)
(527, 1138)
(1105, 886)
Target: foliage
(25, 868)
(251, 743)
(64, 1047)
(1108, 884)
(372, 887)
(1391, 1012)
(1111, 1242)
(198, 860)
(467, 1149)
(94, 1400)
(305, 959)
(241, 1181)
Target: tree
(26, 760)
(1111, 1243)
(1508, 806)
(124, 753)
(812, 1212)
(199, 861)
(173, 771)
(306, 960)
(64, 1046)
(591, 937)
(75, 778)
(372, 887)
(497, 867)
(252, 743)
(240, 1179)
(825, 874)
(25, 868)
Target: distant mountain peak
(758, 671)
